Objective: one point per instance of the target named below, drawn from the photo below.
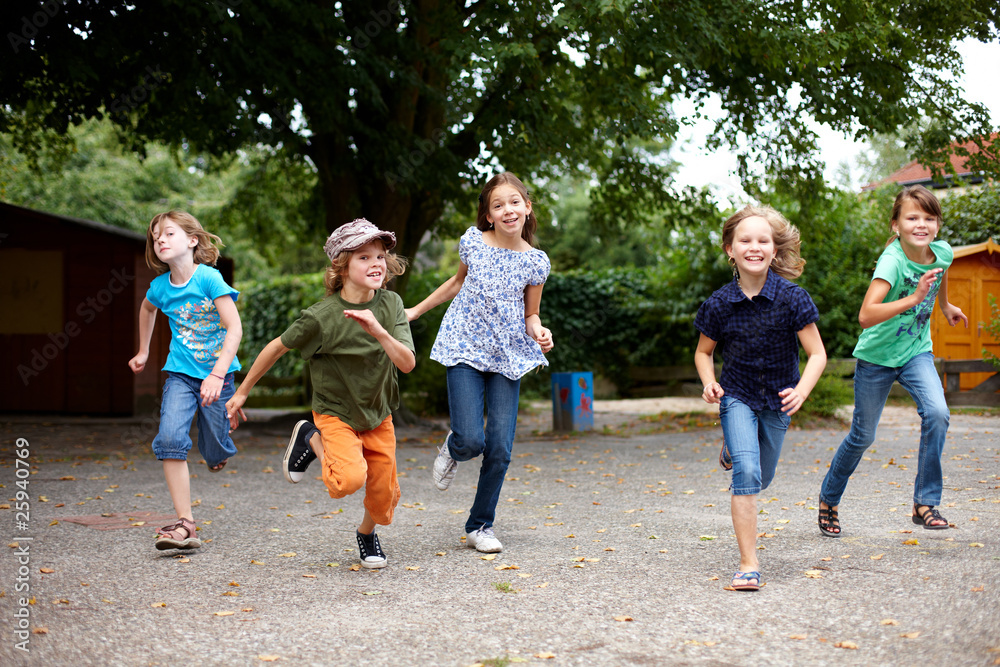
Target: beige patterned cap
(355, 234)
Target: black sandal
(930, 515)
(827, 521)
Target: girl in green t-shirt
(895, 346)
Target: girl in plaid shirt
(758, 320)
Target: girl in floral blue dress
(490, 337)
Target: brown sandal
(170, 537)
(218, 466)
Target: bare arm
(261, 365)
(532, 319)
(147, 320)
(705, 363)
(874, 311)
(211, 387)
(812, 343)
(951, 312)
(400, 355)
(448, 290)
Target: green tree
(401, 106)
(972, 216)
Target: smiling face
(916, 229)
(366, 269)
(508, 210)
(752, 247)
(171, 242)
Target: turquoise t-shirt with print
(897, 340)
(196, 330)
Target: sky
(718, 170)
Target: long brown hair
(506, 178)
(334, 278)
(206, 252)
(787, 262)
(920, 196)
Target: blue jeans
(871, 387)
(181, 401)
(469, 392)
(754, 439)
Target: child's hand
(544, 339)
(926, 280)
(211, 389)
(138, 362)
(954, 314)
(234, 410)
(791, 400)
(367, 321)
(713, 393)
(411, 314)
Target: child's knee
(341, 481)
(463, 448)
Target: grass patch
(504, 587)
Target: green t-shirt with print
(897, 340)
(351, 374)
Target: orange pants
(352, 459)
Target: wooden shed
(70, 291)
(973, 277)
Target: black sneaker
(371, 551)
(298, 454)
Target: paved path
(617, 547)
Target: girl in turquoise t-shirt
(205, 330)
(895, 346)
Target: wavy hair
(787, 262)
(337, 271)
(206, 252)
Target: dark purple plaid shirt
(757, 338)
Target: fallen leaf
(46, 570)
(977, 589)
(798, 636)
(814, 574)
(354, 568)
(488, 557)
(912, 542)
(545, 656)
(849, 645)
(878, 557)
(889, 621)
(911, 635)
(158, 604)
(269, 658)
(232, 594)
(623, 619)
(40, 631)
(224, 613)
(440, 553)
(828, 558)
(412, 567)
(233, 583)
(975, 544)
(290, 554)
(311, 576)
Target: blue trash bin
(573, 401)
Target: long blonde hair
(334, 278)
(787, 262)
(206, 252)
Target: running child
(205, 333)
(757, 319)
(354, 340)
(490, 337)
(895, 346)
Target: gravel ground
(617, 545)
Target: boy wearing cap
(354, 340)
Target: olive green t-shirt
(352, 376)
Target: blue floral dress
(484, 325)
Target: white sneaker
(444, 466)
(483, 540)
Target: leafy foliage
(402, 106)
(972, 216)
(992, 329)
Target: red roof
(915, 172)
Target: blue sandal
(746, 577)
